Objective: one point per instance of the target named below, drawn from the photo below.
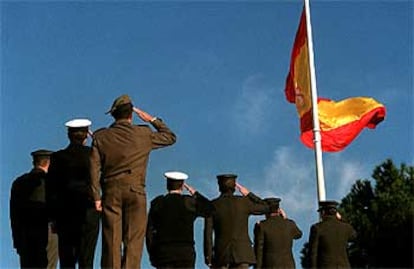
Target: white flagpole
(314, 94)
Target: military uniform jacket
(273, 239)
(68, 181)
(170, 229)
(229, 223)
(328, 241)
(121, 152)
(28, 213)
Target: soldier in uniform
(28, 213)
(273, 238)
(328, 239)
(119, 159)
(70, 200)
(232, 247)
(170, 239)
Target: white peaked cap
(175, 175)
(78, 123)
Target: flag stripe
(340, 122)
(338, 138)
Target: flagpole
(314, 95)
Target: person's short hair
(41, 157)
(77, 135)
(228, 185)
(273, 204)
(328, 207)
(122, 111)
(329, 211)
(173, 185)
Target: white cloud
(290, 178)
(343, 174)
(253, 104)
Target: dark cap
(226, 176)
(274, 202)
(121, 100)
(327, 205)
(41, 152)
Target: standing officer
(328, 239)
(119, 161)
(273, 238)
(28, 213)
(232, 247)
(69, 196)
(170, 230)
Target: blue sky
(214, 72)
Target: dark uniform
(170, 239)
(328, 239)
(73, 208)
(28, 216)
(70, 199)
(119, 160)
(273, 239)
(229, 223)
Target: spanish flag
(340, 122)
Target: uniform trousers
(77, 237)
(52, 249)
(124, 221)
(33, 250)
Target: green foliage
(382, 213)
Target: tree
(382, 214)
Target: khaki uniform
(119, 159)
(232, 246)
(328, 241)
(273, 240)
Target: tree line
(382, 212)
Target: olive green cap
(121, 100)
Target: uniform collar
(122, 122)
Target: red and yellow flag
(340, 122)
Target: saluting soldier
(232, 247)
(328, 239)
(273, 238)
(170, 230)
(28, 213)
(70, 200)
(119, 159)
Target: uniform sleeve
(208, 241)
(149, 236)
(14, 218)
(296, 232)
(51, 188)
(163, 136)
(258, 245)
(313, 246)
(95, 170)
(256, 205)
(203, 206)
